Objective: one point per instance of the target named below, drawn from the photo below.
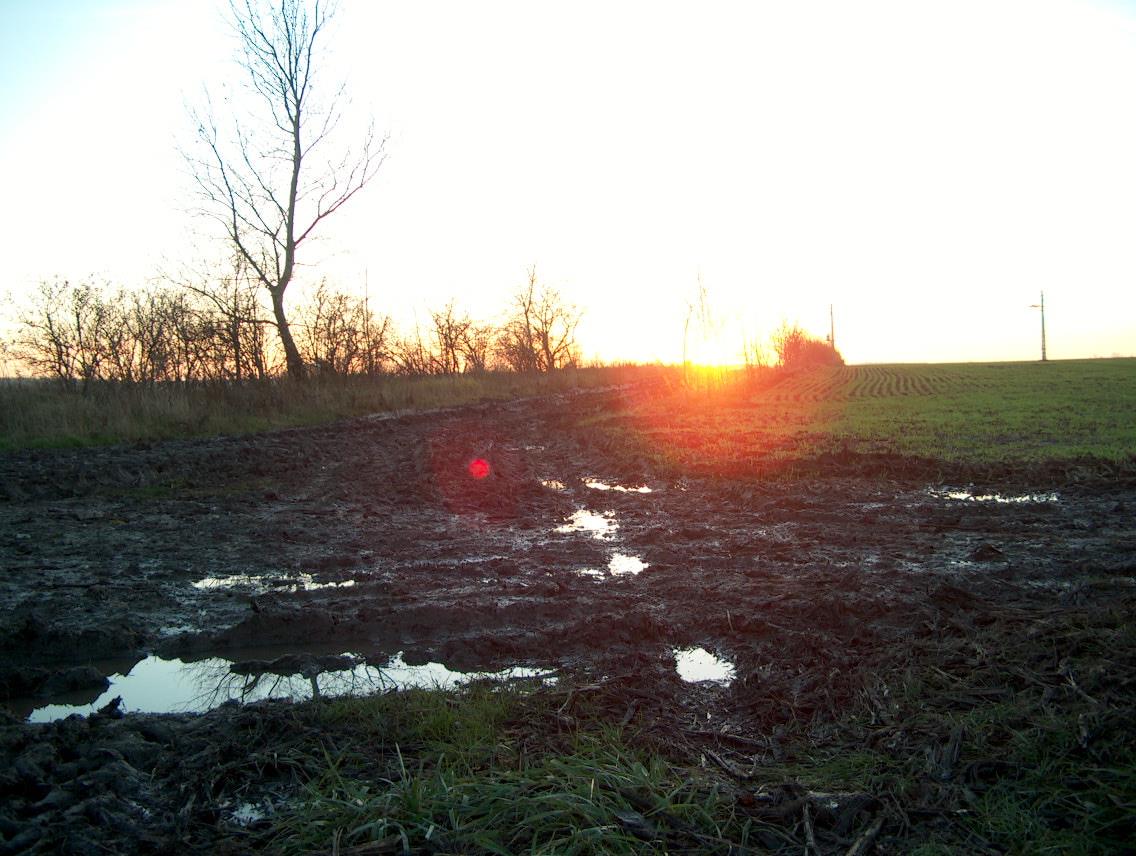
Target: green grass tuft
(470, 772)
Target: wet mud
(571, 551)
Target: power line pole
(1041, 306)
(831, 327)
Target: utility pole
(1041, 306)
(831, 328)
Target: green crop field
(975, 412)
(979, 414)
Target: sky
(925, 169)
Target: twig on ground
(864, 843)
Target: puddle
(591, 572)
(600, 526)
(621, 564)
(695, 665)
(261, 583)
(175, 630)
(157, 685)
(599, 485)
(554, 484)
(969, 496)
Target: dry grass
(35, 413)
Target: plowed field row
(848, 383)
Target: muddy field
(266, 559)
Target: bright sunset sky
(925, 167)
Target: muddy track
(372, 535)
(575, 552)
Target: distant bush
(796, 349)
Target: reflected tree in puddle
(157, 685)
(299, 677)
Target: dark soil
(822, 590)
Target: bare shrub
(410, 354)
(454, 344)
(797, 349)
(148, 336)
(227, 338)
(340, 335)
(61, 333)
(449, 333)
(540, 333)
(478, 347)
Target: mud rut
(817, 590)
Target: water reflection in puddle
(621, 564)
(592, 572)
(156, 685)
(697, 664)
(599, 485)
(963, 495)
(600, 526)
(260, 583)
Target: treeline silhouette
(80, 333)
(119, 364)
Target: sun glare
(719, 351)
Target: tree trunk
(291, 352)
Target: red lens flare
(479, 468)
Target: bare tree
(279, 173)
(540, 334)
